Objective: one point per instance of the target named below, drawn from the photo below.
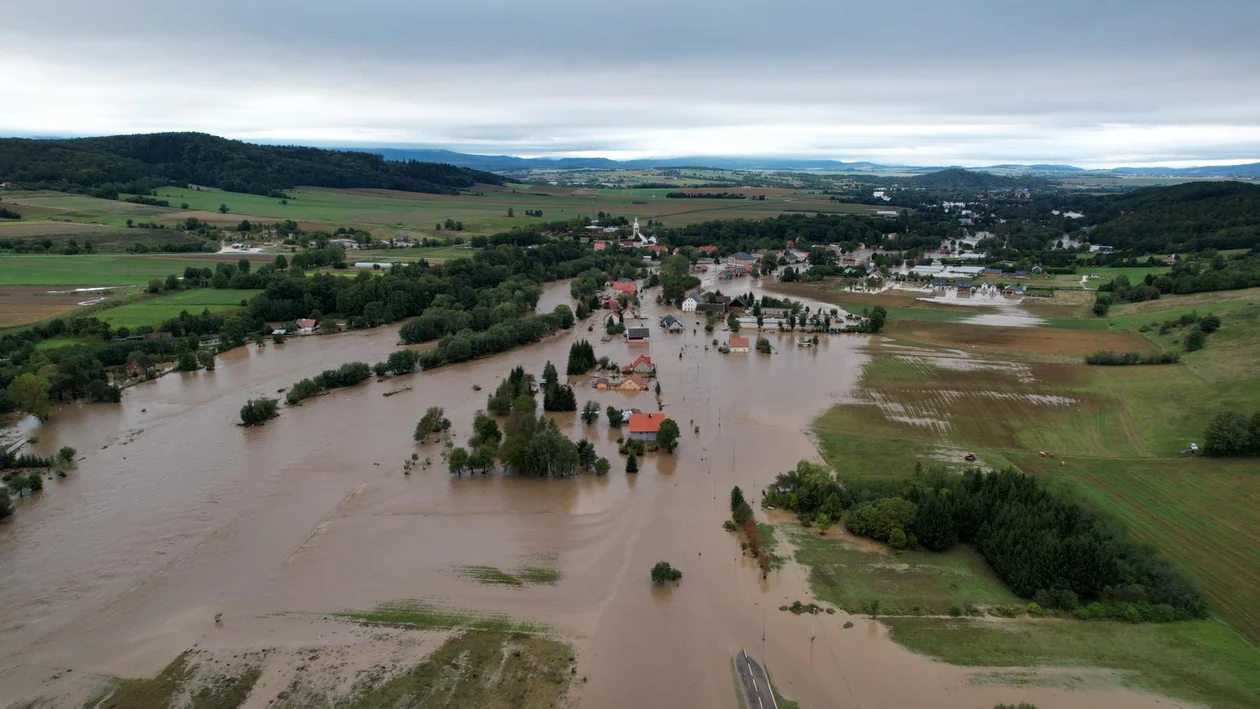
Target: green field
(855, 573)
(92, 270)
(1202, 661)
(155, 310)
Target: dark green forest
(105, 167)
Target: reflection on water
(176, 514)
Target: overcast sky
(929, 82)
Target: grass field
(854, 573)
(1202, 661)
(93, 270)
(482, 210)
(152, 311)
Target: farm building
(644, 427)
(738, 344)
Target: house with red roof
(600, 245)
(708, 249)
(641, 365)
(644, 427)
(738, 344)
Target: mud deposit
(118, 570)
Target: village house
(964, 287)
(708, 249)
(714, 308)
(992, 271)
(603, 383)
(638, 333)
(600, 245)
(738, 344)
(307, 326)
(610, 304)
(939, 284)
(1013, 289)
(641, 365)
(689, 304)
(743, 258)
(347, 244)
(402, 241)
(625, 286)
(139, 366)
(669, 323)
(644, 427)
(634, 382)
(657, 249)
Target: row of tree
(1232, 434)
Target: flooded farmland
(176, 515)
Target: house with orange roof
(644, 427)
(738, 344)
(634, 382)
(625, 286)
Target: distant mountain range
(499, 163)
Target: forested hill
(956, 178)
(1188, 217)
(138, 163)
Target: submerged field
(934, 392)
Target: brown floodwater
(176, 514)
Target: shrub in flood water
(663, 573)
(258, 411)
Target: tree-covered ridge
(138, 163)
(1189, 217)
(956, 178)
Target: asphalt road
(756, 684)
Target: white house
(689, 305)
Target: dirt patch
(20, 305)
(1045, 341)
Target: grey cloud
(966, 81)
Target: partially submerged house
(689, 304)
(669, 323)
(641, 365)
(738, 344)
(634, 382)
(644, 427)
(307, 326)
(638, 333)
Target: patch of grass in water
(159, 692)
(539, 575)
(425, 615)
(488, 574)
(1202, 661)
(492, 670)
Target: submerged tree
(663, 572)
(258, 411)
(433, 421)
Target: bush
(1210, 324)
(66, 454)
(1195, 340)
(729, 526)
(258, 411)
(663, 573)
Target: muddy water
(176, 514)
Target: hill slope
(138, 163)
(1189, 217)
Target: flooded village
(182, 531)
